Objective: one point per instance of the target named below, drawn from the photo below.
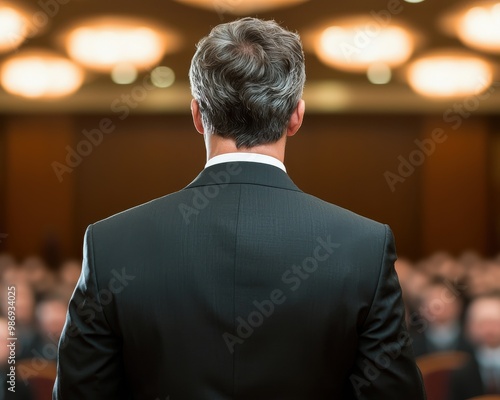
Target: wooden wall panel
(39, 208)
(455, 214)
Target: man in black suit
(480, 375)
(240, 286)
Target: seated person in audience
(6, 261)
(450, 269)
(494, 273)
(40, 277)
(50, 315)
(25, 320)
(481, 374)
(22, 392)
(412, 280)
(483, 277)
(25, 305)
(68, 276)
(439, 326)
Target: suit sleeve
(385, 366)
(89, 359)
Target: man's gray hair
(248, 77)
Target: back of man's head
(248, 77)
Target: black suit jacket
(240, 286)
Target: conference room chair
(436, 370)
(40, 376)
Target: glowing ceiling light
(356, 43)
(240, 7)
(12, 28)
(124, 74)
(40, 75)
(450, 74)
(163, 77)
(479, 27)
(379, 74)
(103, 44)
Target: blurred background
(402, 126)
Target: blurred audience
(440, 311)
(453, 304)
(50, 317)
(42, 297)
(68, 276)
(480, 375)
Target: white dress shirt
(444, 336)
(245, 157)
(489, 361)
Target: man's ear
(195, 111)
(296, 119)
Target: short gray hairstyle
(248, 77)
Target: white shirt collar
(489, 357)
(245, 157)
(443, 336)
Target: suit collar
(251, 173)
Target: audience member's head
(40, 277)
(432, 265)
(469, 259)
(25, 304)
(51, 315)
(417, 280)
(441, 303)
(6, 260)
(403, 268)
(483, 320)
(481, 278)
(13, 274)
(69, 273)
(493, 271)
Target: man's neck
(217, 145)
